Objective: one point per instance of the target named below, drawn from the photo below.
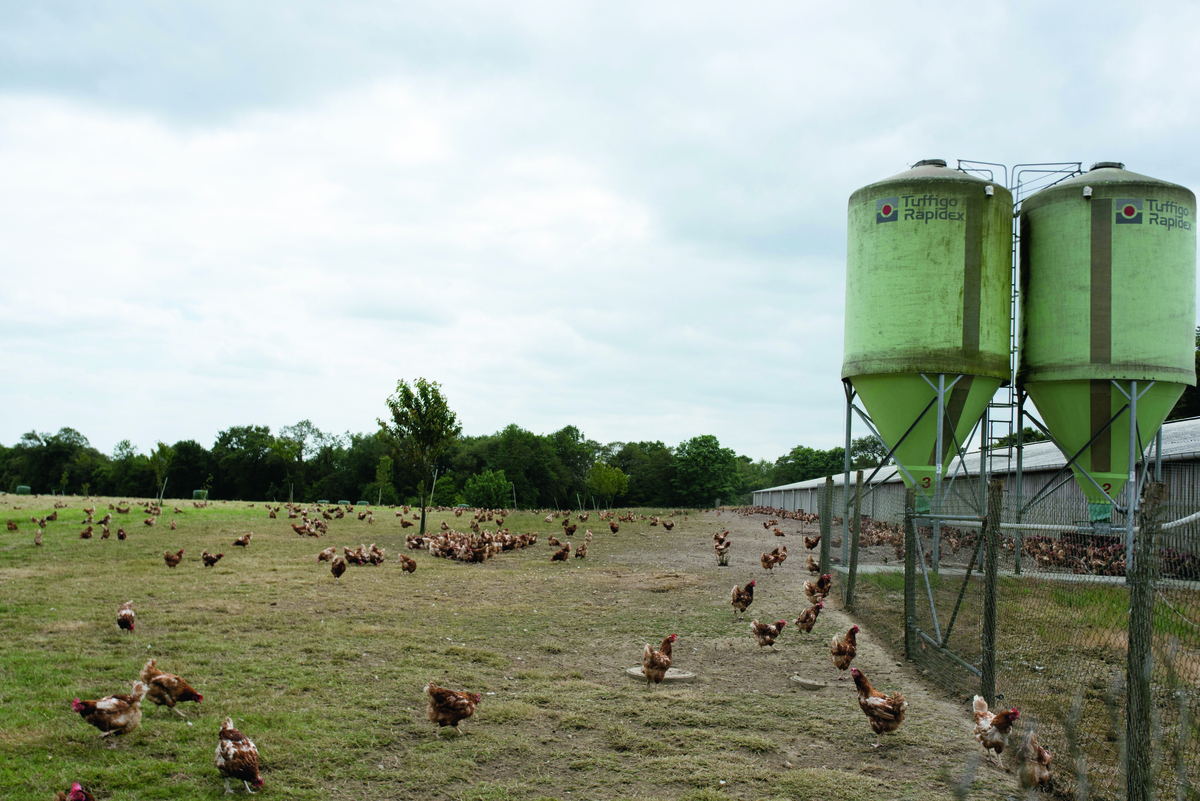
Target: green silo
(928, 291)
(1108, 292)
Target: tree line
(512, 467)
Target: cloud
(626, 218)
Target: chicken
(768, 561)
(408, 564)
(125, 616)
(991, 730)
(86, 534)
(843, 650)
(614, 527)
(812, 565)
(742, 598)
(780, 555)
(172, 559)
(237, 757)
(149, 521)
(210, 559)
(13, 526)
(121, 534)
(173, 526)
(767, 633)
(553, 541)
(778, 532)
(77, 794)
(106, 533)
(812, 542)
(1034, 761)
(808, 618)
(816, 591)
(37, 538)
(448, 707)
(114, 714)
(338, 567)
(244, 540)
(167, 689)
(581, 551)
(884, 713)
(325, 555)
(561, 554)
(655, 664)
(668, 524)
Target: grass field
(327, 678)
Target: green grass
(327, 678)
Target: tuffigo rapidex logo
(887, 209)
(1129, 210)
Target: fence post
(826, 524)
(910, 578)
(991, 534)
(1139, 749)
(855, 531)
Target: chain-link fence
(1062, 612)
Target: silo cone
(928, 290)
(1108, 266)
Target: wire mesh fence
(1062, 617)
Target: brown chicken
(210, 559)
(121, 534)
(114, 714)
(808, 618)
(767, 633)
(338, 567)
(77, 794)
(668, 524)
(125, 616)
(843, 650)
(408, 564)
(768, 561)
(13, 526)
(244, 540)
(742, 598)
(553, 542)
(812, 565)
(325, 555)
(778, 532)
(237, 757)
(884, 713)
(581, 551)
(991, 730)
(167, 689)
(173, 559)
(812, 542)
(780, 555)
(816, 591)
(1034, 761)
(614, 527)
(448, 707)
(86, 534)
(655, 664)
(561, 554)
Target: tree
(1028, 435)
(488, 490)
(607, 481)
(704, 471)
(422, 428)
(866, 453)
(160, 463)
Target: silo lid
(1108, 165)
(930, 163)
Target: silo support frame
(850, 406)
(1042, 494)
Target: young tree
(606, 481)
(160, 463)
(488, 490)
(422, 428)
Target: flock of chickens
(236, 756)
(885, 713)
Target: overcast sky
(629, 217)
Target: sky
(627, 217)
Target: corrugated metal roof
(1181, 442)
